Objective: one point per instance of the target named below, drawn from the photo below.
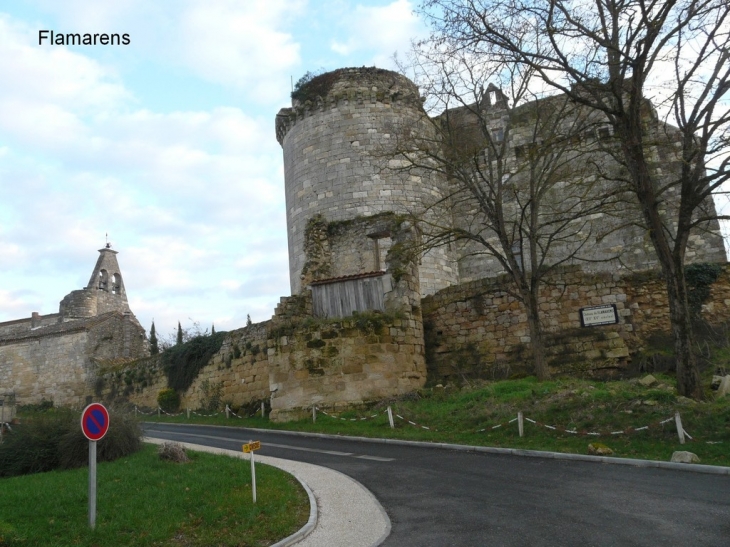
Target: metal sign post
(94, 425)
(251, 447)
(92, 484)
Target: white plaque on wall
(594, 316)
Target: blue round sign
(94, 421)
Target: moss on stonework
(336, 227)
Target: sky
(166, 144)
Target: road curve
(437, 497)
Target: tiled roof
(60, 328)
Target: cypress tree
(212, 330)
(154, 347)
(179, 334)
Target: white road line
(375, 458)
(287, 447)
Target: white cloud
(238, 43)
(182, 194)
(380, 29)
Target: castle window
(498, 134)
(103, 280)
(517, 253)
(381, 246)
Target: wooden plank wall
(342, 298)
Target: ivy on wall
(699, 278)
(183, 363)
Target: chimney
(35, 320)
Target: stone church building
(55, 357)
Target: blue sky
(166, 144)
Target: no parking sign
(95, 421)
(94, 425)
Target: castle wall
(342, 363)
(335, 165)
(240, 367)
(477, 328)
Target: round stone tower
(337, 139)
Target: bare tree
(617, 57)
(523, 181)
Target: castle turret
(337, 138)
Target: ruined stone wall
(240, 367)
(478, 328)
(335, 165)
(342, 363)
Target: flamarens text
(59, 39)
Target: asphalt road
(442, 498)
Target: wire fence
(682, 433)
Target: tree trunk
(689, 383)
(536, 339)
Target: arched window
(116, 284)
(103, 280)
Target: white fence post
(314, 414)
(680, 429)
(263, 410)
(188, 413)
(158, 411)
(390, 418)
(228, 412)
(520, 424)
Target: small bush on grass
(33, 446)
(173, 452)
(169, 400)
(52, 439)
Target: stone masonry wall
(477, 328)
(335, 364)
(51, 368)
(59, 362)
(240, 367)
(335, 165)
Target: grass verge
(468, 416)
(144, 501)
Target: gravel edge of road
(692, 467)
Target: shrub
(169, 400)
(52, 439)
(173, 452)
(123, 438)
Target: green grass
(144, 501)
(457, 416)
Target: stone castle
(368, 318)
